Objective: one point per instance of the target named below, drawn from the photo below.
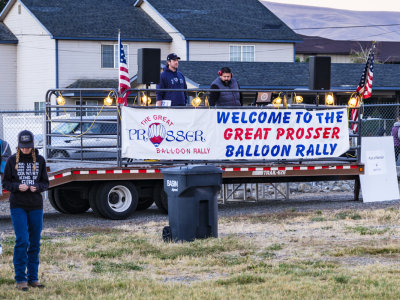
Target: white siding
(219, 51)
(8, 76)
(35, 57)
(178, 44)
(82, 60)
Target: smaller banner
(232, 134)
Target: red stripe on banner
(142, 171)
(252, 169)
(325, 167)
(76, 172)
(157, 170)
(58, 176)
(353, 167)
(296, 168)
(236, 169)
(125, 171)
(124, 69)
(311, 168)
(281, 168)
(339, 167)
(92, 171)
(267, 169)
(109, 171)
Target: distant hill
(302, 16)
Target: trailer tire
(50, 196)
(161, 198)
(92, 198)
(117, 200)
(70, 202)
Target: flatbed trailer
(115, 189)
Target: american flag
(124, 82)
(364, 88)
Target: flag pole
(119, 65)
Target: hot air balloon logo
(156, 133)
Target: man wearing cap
(171, 78)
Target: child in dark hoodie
(25, 177)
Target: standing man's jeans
(28, 227)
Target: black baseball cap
(25, 139)
(172, 56)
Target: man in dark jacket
(225, 81)
(171, 78)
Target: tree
(360, 57)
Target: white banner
(229, 134)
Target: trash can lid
(193, 169)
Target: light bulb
(108, 101)
(196, 101)
(277, 101)
(299, 99)
(329, 100)
(60, 100)
(146, 100)
(353, 102)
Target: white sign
(229, 134)
(379, 182)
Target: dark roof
(388, 52)
(6, 36)
(224, 20)
(94, 83)
(281, 75)
(97, 20)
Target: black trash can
(192, 202)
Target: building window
(110, 56)
(86, 111)
(241, 53)
(39, 107)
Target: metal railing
(80, 142)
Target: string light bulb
(352, 102)
(145, 100)
(196, 101)
(60, 100)
(108, 100)
(298, 99)
(277, 101)
(329, 100)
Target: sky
(360, 5)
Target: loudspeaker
(149, 61)
(320, 73)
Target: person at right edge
(396, 138)
(25, 177)
(225, 81)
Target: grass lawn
(337, 254)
